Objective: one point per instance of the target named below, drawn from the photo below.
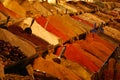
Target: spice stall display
(45, 35)
(112, 13)
(61, 25)
(114, 24)
(79, 57)
(41, 9)
(88, 5)
(82, 52)
(49, 27)
(91, 18)
(108, 38)
(75, 26)
(114, 33)
(55, 69)
(110, 70)
(14, 40)
(88, 26)
(109, 5)
(103, 16)
(80, 6)
(76, 7)
(8, 12)
(99, 42)
(64, 25)
(98, 38)
(73, 66)
(54, 20)
(71, 8)
(34, 8)
(77, 69)
(112, 28)
(10, 54)
(13, 49)
(61, 9)
(40, 32)
(11, 4)
(28, 7)
(49, 7)
(17, 30)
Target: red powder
(83, 21)
(91, 57)
(75, 54)
(54, 20)
(94, 37)
(91, 49)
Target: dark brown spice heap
(10, 54)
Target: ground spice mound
(54, 69)
(34, 39)
(14, 40)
